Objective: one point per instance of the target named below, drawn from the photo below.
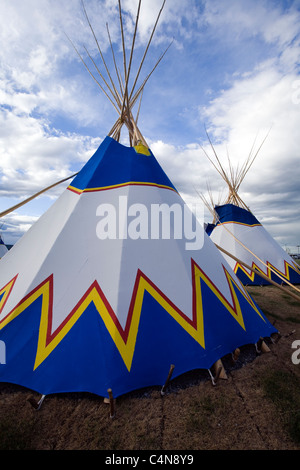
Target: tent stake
(213, 379)
(111, 403)
(261, 346)
(162, 392)
(236, 354)
(277, 338)
(219, 370)
(36, 404)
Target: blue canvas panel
(232, 213)
(114, 164)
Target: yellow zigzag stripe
(125, 339)
(270, 268)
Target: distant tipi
(237, 232)
(98, 295)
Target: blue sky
(233, 68)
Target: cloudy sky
(232, 68)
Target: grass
(290, 319)
(290, 300)
(202, 413)
(293, 303)
(282, 388)
(269, 308)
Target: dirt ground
(237, 413)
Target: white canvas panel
(256, 239)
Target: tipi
(237, 231)
(99, 294)
(3, 248)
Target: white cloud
(251, 106)
(32, 157)
(265, 19)
(15, 225)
